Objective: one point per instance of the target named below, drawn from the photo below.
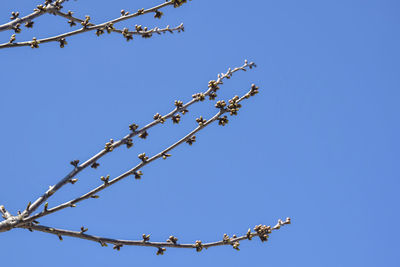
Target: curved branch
(262, 231)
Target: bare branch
(232, 108)
(36, 13)
(143, 31)
(28, 221)
(87, 26)
(213, 85)
(262, 231)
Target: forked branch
(26, 220)
(142, 132)
(232, 108)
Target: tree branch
(179, 107)
(262, 231)
(221, 105)
(87, 27)
(139, 29)
(36, 13)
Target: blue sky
(318, 144)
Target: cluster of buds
(138, 175)
(236, 245)
(220, 104)
(198, 245)
(213, 85)
(226, 239)
(253, 90)
(14, 15)
(127, 35)
(124, 13)
(109, 146)
(201, 121)
(63, 42)
(86, 22)
(143, 157)
(34, 43)
(83, 230)
(129, 142)
(178, 104)
(74, 163)
(234, 106)
(212, 95)
(17, 28)
(29, 24)
(105, 179)
(57, 4)
(12, 38)
(146, 238)
(40, 8)
(178, 3)
(159, 117)
(161, 251)
(262, 231)
(172, 239)
(71, 22)
(143, 135)
(117, 247)
(191, 140)
(110, 27)
(176, 118)
(139, 28)
(223, 121)
(199, 96)
(140, 11)
(158, 14)
(133, 127)
(95, 165)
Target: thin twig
(135, 170)
(261, 231)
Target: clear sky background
(319, 144)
